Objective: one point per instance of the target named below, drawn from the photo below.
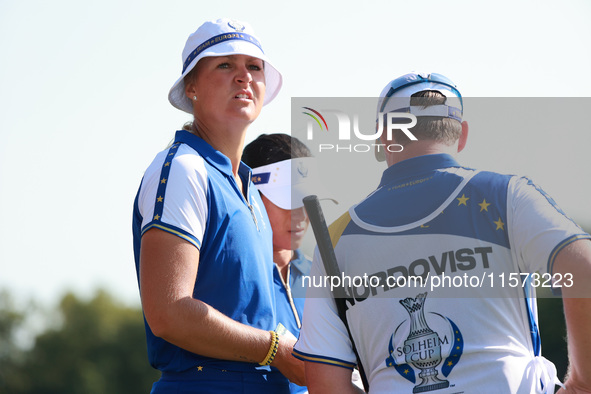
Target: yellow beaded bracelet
(272, 349)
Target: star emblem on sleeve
(500, 224)
(462, 200)
(484, 205)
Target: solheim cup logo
(424, 344)
(424, 348)
(239, 27)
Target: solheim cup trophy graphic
(424, 345)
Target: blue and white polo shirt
(189, 191)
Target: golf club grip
(331, 267)
(323, 241)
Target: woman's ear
(191, 91)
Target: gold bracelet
(272, 349)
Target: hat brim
(292, 197)
(273, 78)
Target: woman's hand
(290, 367)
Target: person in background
(202, 238)
(284, 172)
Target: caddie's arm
(168, 269)
(575, 259)
(329, 379)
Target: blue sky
(83, 98)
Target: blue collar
(300, 262)
(417, 165)
(214, 157)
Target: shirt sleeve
(323, 337)
(539, 228)
(173, 196)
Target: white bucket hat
(287, 182)
(222, 37)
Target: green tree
(10, 321)
(553, 333)
(98, 348)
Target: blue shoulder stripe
(161, 193)
(159, 203)
(322, 360)
(173, 230)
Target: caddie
(432, 218)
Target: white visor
(286, 183)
